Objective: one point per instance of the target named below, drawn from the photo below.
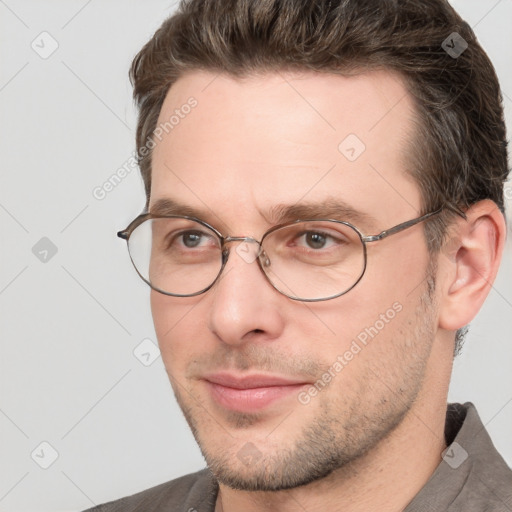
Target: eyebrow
(329, 208)
(166, 206)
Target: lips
(250, 393)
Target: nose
(244, 305)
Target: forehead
(239, 148)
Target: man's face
(280, 392)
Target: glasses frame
(126, 233)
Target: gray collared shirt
(472, 477)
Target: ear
(469, 262)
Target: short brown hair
(458, 154)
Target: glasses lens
(313, 260)
(176, 256)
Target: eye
(192, 239)
(317, 240)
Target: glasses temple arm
(400, 227)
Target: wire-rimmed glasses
(306, 260)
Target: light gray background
(69, 325)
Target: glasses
(306, 260)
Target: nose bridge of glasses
(249, 249)
(247, 239)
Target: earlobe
(470, 261)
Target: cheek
(174, 330)
(380, 307)
(162, 311)
(398, 262)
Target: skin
(272, 139)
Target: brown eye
(316, 240)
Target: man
(324, 217)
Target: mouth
(250, 393)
